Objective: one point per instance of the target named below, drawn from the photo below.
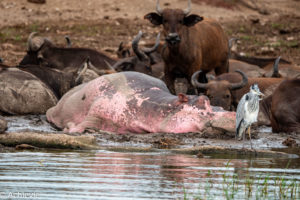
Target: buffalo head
(219, 92)
(174, 21)
(142, 61)
(35, 43)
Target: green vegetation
(277, 26)
(246, 186)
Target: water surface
(118, 175)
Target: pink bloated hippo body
(137, 103)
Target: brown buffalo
(266, 85)
(285, 109)
(220, 92)
(192, 43)
(249, 69)
(284, 70)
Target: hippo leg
(90, 122)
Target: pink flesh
(114, 113)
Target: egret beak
(261, 95)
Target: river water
(105, 174)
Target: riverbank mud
(35, 131)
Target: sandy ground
(272, 30)
(104, 24)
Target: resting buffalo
(249, 69)
(284, 70)
(285, 109)
(152, 64)
(23, 93)
(135, 102)
(193, 43)
(59, 81)
(43, 50)
(221, 92)
(142, 61)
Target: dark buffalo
(23, 93)
(285, 109)
(193, 43)
(43, 50)
(142, 61)
(59, 81)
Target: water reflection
(119, 175)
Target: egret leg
(244, 138)
(249, 132)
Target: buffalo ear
(191, 20)
(154, 18)
(182, 98)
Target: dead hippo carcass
(134, 102)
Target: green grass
(260, 186)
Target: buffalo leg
(170, 80)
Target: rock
(267, 50)
(25, 146)
(48, 140)
(200, 155)
(3, 124)
(290, 142)
(37, 1)
(254, 19)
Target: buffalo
(192, 43)
(43, 50)
(142, 61)
(220, 91)
(285, 109)
(23, 93)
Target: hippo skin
(132, 102)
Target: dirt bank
(102, 25)
(36, 131)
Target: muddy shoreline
(38, 134)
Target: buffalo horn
(101, 71)
(120, 46)
(235, 86)
(68, 40)
(122, 62)
(82, 70)
(275, 67)
(29, 40)
(188, 9)
(196, 83)
(152, 49)
(135, 47)
(158, 9)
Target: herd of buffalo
(186, 83)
